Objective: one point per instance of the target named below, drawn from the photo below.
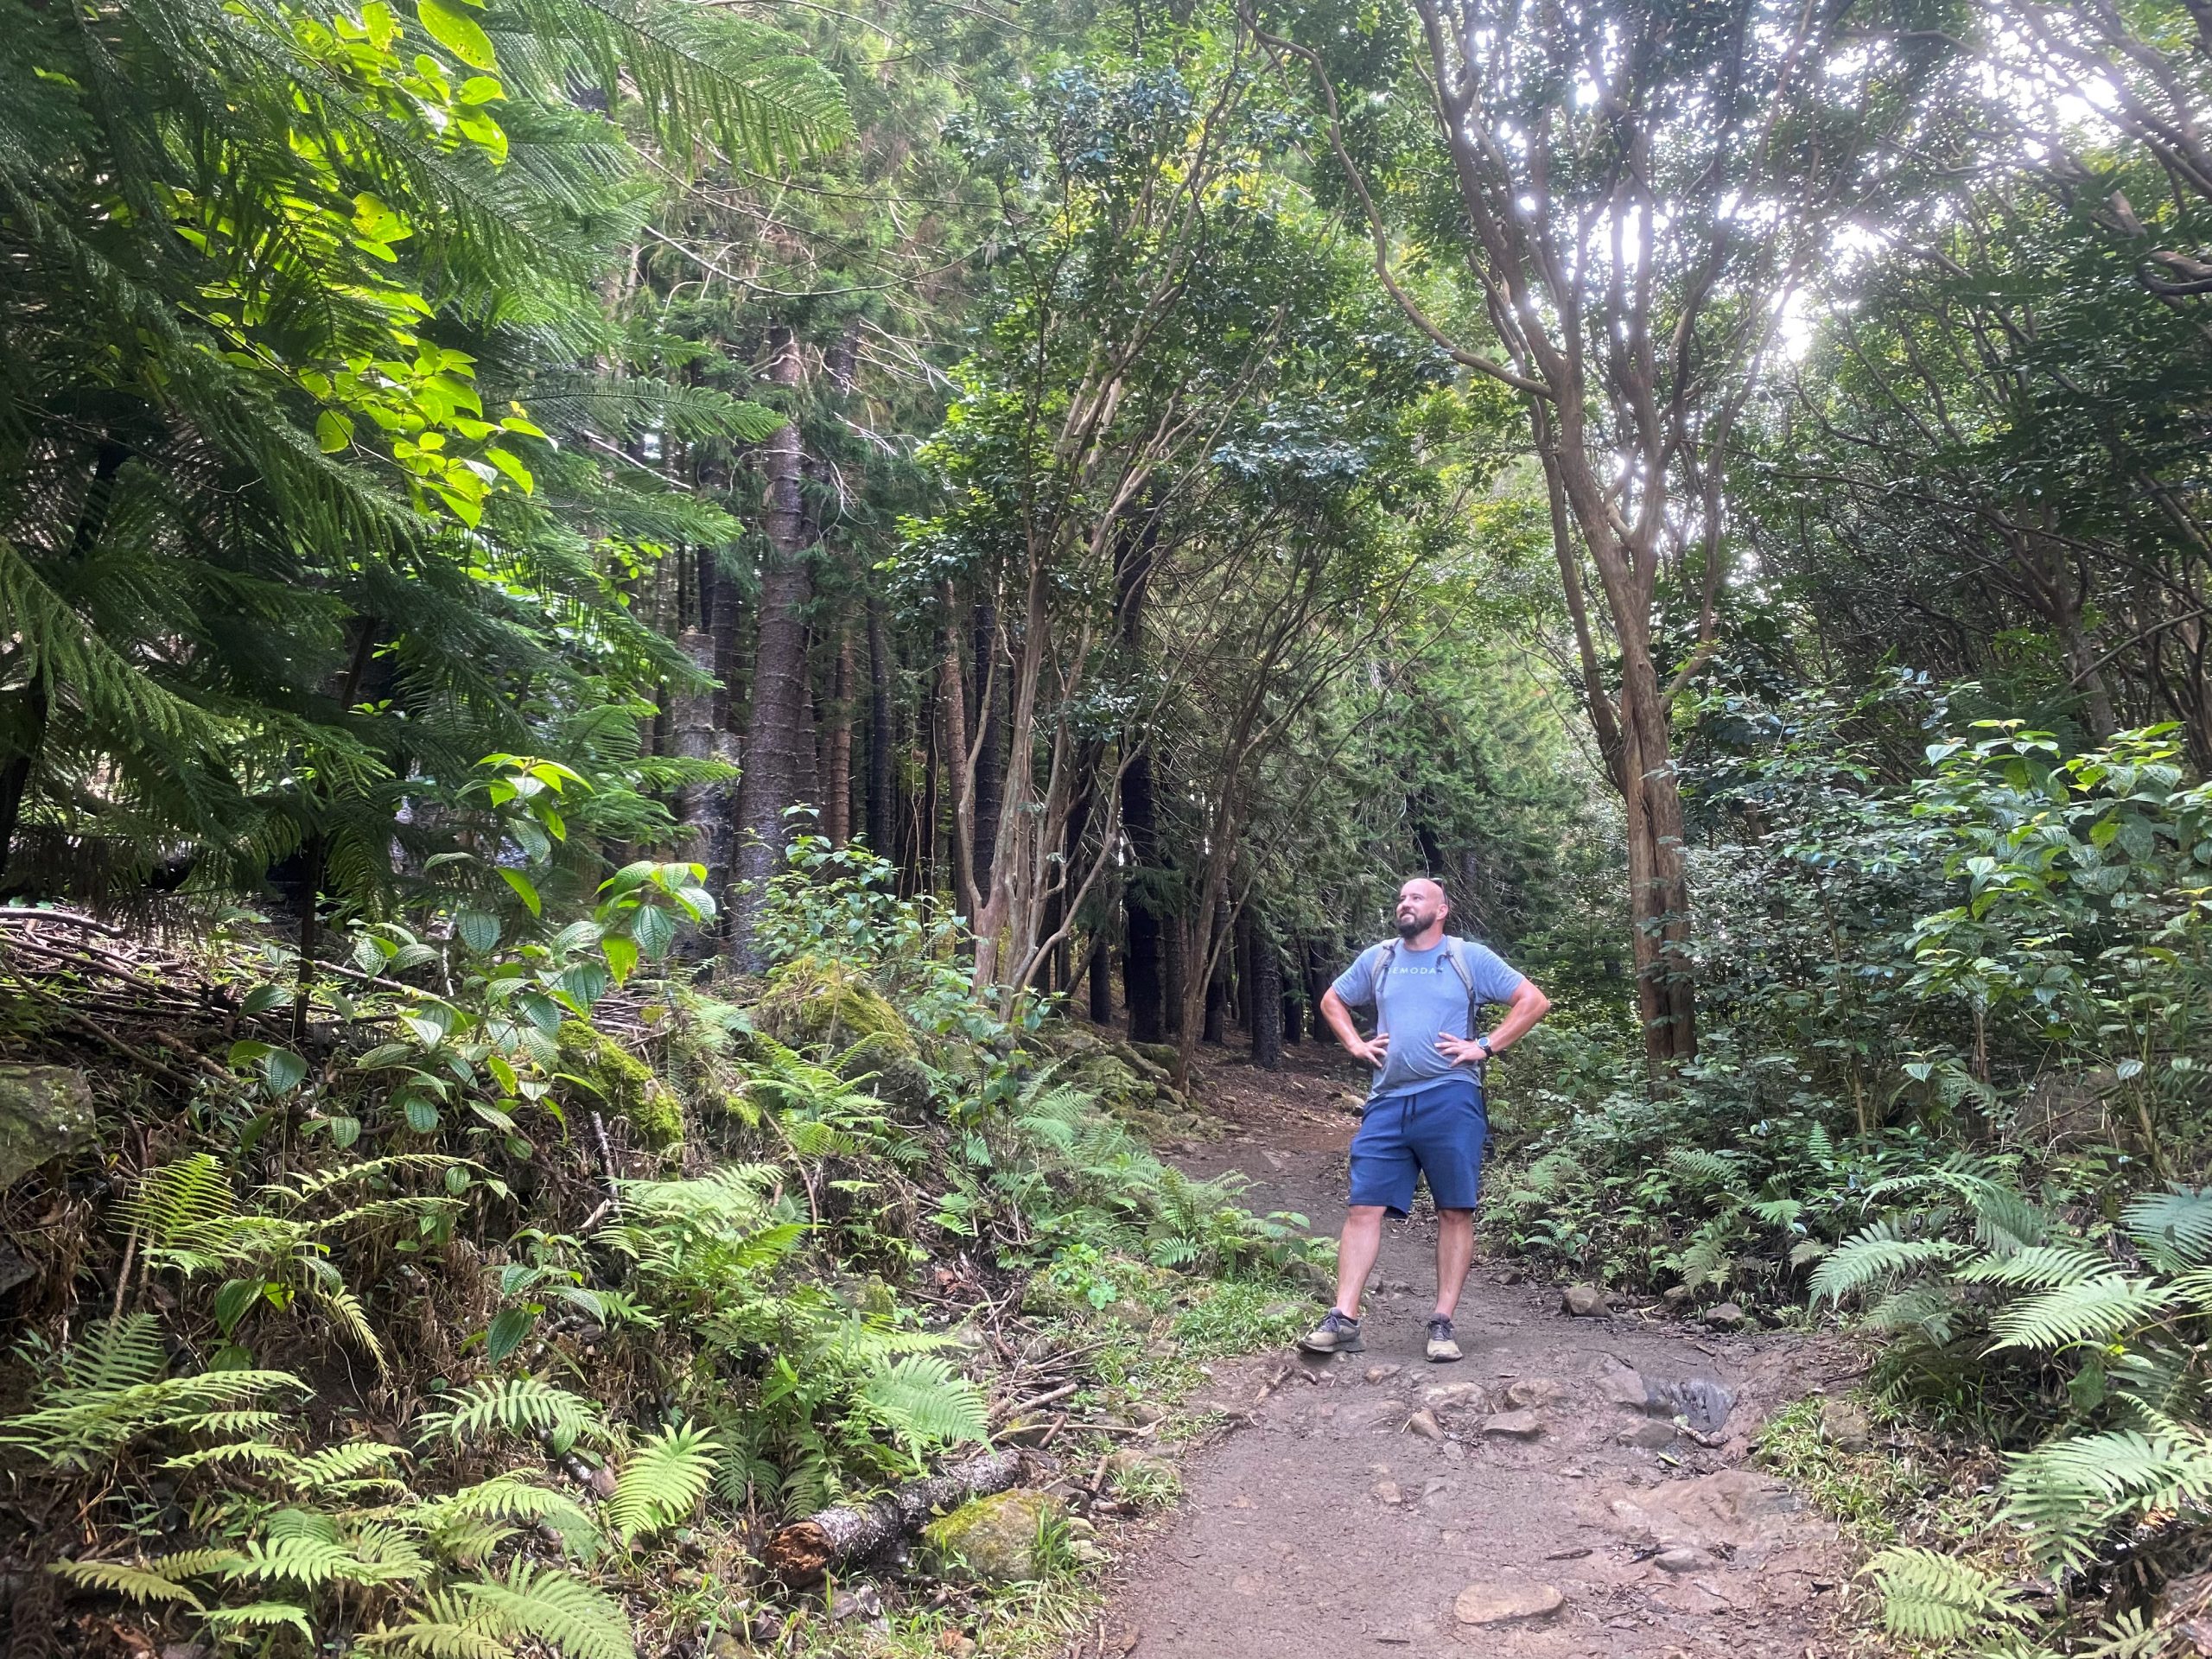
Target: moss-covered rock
(623, 1082)
(993, 1539)
(45, 1110)
(813, 1001)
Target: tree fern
(661, 1481)
(923, 1402)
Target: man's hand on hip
(1463, 1051)
(1374, 1051)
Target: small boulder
(1514, 1425)
(45, 1110)
(1651, 1434)
(1680, 1558)
(993, 1539)
(1844, 1424)
(1456, 1396)
(1623, 1384)
(1424, 1424)
(1724, 1316)
(1382, 1373)
(1534, 1391)
(1584, 1302)
(1388, 1491)
(1503, 1601)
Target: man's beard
(1410, 928)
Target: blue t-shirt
(1423, 998)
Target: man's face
(1421, 905)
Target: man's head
(1422, 905)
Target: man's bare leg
(1455, 1254)
(1362, 1242)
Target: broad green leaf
(458, 33)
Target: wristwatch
(1489, 1053)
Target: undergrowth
(514, 1303)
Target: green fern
(2174, 1227)
(138, 1584)
(551, 1606)
(2039, 1266)
(2066, 1494)
(1926, 1596)
(661, 1481)
(924, 1403)
(520, 1405)
(2092, 1310)
(1873, 1255)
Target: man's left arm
(1522, 1009)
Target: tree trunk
(1264, 997)
(803, 1551)
(990, 692)
(1101, 979)
(701, 809)
(882, 740)
(25, 723)
(777, 739)
(1175, 962)
(1141, 968)
(837, 788)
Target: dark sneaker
(1442, 1350)
(1334, 1335)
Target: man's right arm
(1340, 1021)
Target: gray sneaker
(1442, 1349)
(1335, 1335)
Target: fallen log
(805, 1549)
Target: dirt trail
(1562, 1513)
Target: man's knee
(1361, 1215)
(1456, 1217)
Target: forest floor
(1547, 1506)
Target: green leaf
(478, 930)
(458, 33)
(525, 890)
(621, 956)
(505, 1333)
(332, 431)
(284, 1070)
(344, 1130)
(261, 998)
(422, 1114)
(232, 1301)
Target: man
(1424, 1110)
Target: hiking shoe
(1334, 1335)
(1442, 1350)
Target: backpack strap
(1382, 973)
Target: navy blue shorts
(1438, 1131)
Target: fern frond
(2175, 1225)
(2039, 1266)
(138, 1584)
(520, 1405)
(1931, 1598)
(553, 1607)
(1873, 1255)
(2094, 1310)
(661, 1481)
(921, 1399)
(2067, 1493)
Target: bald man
(1424, 1112)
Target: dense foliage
(683, 616)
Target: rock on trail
(1578, 1486)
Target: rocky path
(1576, 1486)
